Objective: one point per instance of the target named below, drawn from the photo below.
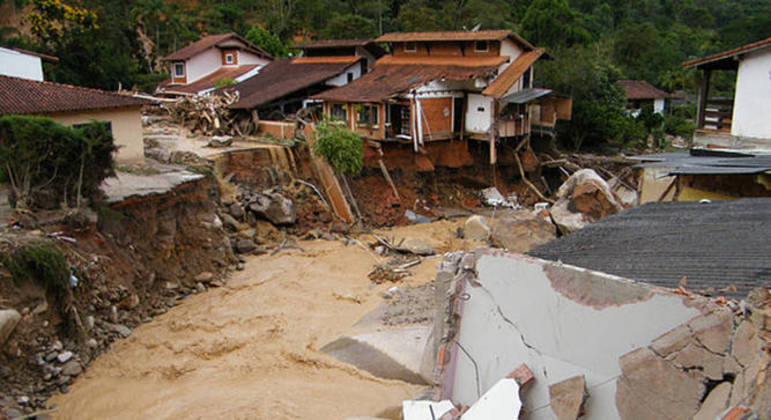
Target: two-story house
(197, 68)
(437, 86)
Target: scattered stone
(339, 227)
(170, 285)
(121, 329)
(582, 199)
(476, 228)
(51, 356)
(204, 277)
(90, 322)
(245, 246)
(416, 218)
(9, 318)
(200, 287)
(416, 246)
(240, 267)
(518, 235)
(72, 368)
(715, 403)
(220, 141)
(91, 343)
(229, 222)
(63, 380)
(64, 356)
(567, 398)
(492, 197)
(275, 208)
(23, 400)
(237, 211)
(12, 413)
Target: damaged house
(439, 86)
(197, 68)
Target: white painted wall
(478, 113)
(511, 50)
(17, 64)
(658, 106)
(203, 64)
(245, 58)
(752, 101)
(342, 79)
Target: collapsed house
(439, 86)
(740, 122)
(73, 105)
(200, 67)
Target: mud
(250, 349)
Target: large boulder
(8, 320)
(522, 235)
(274, 207)
(476, 228)
(582, 199)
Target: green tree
(340, 147)
(554, 23)
(347, 26)
(269, 42)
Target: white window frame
(178, 66)
(477, 49)
(230, 58)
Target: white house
(640, 93)
(743, 121)
(196, 68)
(16, 62)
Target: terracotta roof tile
(207, 82)
(23, 96)
(640, 89)
(443, 61)
(333, 43)
(389, 80)
(488, 35)
(730, 53)
(513, 72)
(211, 41)
(325, 60)
(285, 76)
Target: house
(437, 86)
(284, 86)
(640, 94)
(72, 105)
(742, 121)
(366, 48)
(16, 62)
(197, 68)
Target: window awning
(525, 95)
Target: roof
(207, 82)
(726, 55)
(714, 245)
(211, 41)
(707, 162)
(387, 80)
(641, 89)
(525, 95)
(333, 43)
(24, 96)
(37, 54)
(487, 61)
(513, 72)
(285, 76)
(488, 35)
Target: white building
(743, 121)
(15, 62)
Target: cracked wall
(563, 321)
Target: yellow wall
(126, 129)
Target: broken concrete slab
(746, 343)
(125, 184)
(476, 228)
(561, 321)
(713, 330)
(500, 402)
(425, 410)
(653, 388)
(567, 398)
(415, 246)
(390, 354)
(715, 403)
(694, 357)
(517, 235)
(672, 341)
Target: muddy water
(249, 350)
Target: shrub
(340, 147)
(43, 263)
(44, 159)
(224, 82)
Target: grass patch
(40, 262)
(138, 171)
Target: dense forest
(102, 43)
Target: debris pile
(210, 115)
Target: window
(338, 112)
(480, 46)
(179, 70)
(229, 59)
(410, 47)
(367, 116)
(107, 125)
(350, 77)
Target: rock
(416, 246)
(72, 368)
(715, 403)
(476, 228)
(325, 217)
(91, 343)
(518, 235)
(51, 356)
(567, 398)
(339, 227)
(9, 318)
(90, 322)
(121, 329)
(12, 413)
(200, 287)
(237, 211)
(220, 141)
(245, 246)
(492, 197)
(63, 357)
(653, 388)
(229, 222)
(582, 199)
(416, 218)
(205, 277)
(275, 208)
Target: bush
(46, 161)
(224, 82)
(43, 263)
(340, 147)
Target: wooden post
(703, 96)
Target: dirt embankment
(132, 263)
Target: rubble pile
(210, 115)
